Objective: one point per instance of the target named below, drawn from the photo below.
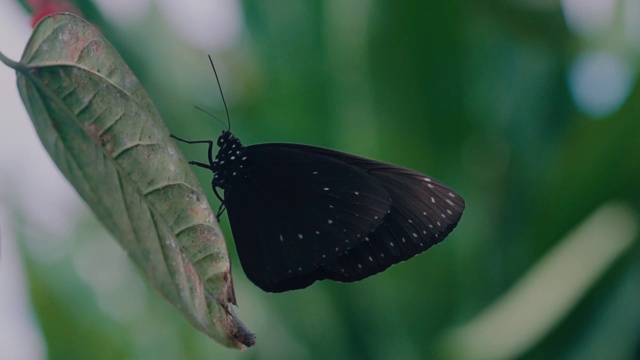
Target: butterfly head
(227, 139)
(229, 160)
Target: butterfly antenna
(210, 114)
(221, 94)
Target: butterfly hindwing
(293, 211)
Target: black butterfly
(301, 213)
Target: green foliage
(474, 94)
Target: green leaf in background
(103, 132)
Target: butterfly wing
(292, 211)
(423, 212)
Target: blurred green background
(530, 110)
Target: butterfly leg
(222, 208)
(210, 153)
(202, 165)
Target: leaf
(106, 136)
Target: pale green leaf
(106, 136)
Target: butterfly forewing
(293, 211)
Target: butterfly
(302, 213)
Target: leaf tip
(237, 332)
